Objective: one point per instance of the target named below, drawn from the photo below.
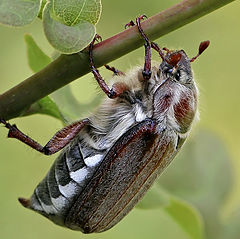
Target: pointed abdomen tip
(25, 202)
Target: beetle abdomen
(55, 194)
(121, 179)
(76, 195)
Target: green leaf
(43, 3)
(45, 106)
(18, 12)
(64, 38)
(232, 226)
(182, 213)
(73, 12)
(187, 217)
(37, 59)
(154, 198)
(202, 175)
(202, 171)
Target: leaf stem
(67, 68)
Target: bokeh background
(217, 74)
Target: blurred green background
(216, 73)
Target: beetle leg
(148, 45)
(56, 143)
(130, 24)
(117, 89)
(114, 70)
(159, 50)
(147, 65)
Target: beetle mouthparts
(25, 202)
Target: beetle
(110, 159)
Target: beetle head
(177, 66)
(175, 98)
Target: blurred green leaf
(154, 198)
(64, 38)
(45, 106)
(232, 226)
(37, 59)
(202, 175)
(182, 213)
(186, 217)
(73, 12)
(202, 171)
(18, 12)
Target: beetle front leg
(148, 45)
(55, 144)
(147, 65)
(117, 89)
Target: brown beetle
(111, 158)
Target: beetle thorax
(172, 104)
(175, 104)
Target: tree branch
(70, 67)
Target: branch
(67, 68)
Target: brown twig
(67, 68)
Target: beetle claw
(97, 38)
(131, 23)
(142, 17)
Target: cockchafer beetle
(111, 158)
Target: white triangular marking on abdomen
(59, 203)
(93, 160)
(79, 175)
(68, 190)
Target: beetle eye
(178, 75)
